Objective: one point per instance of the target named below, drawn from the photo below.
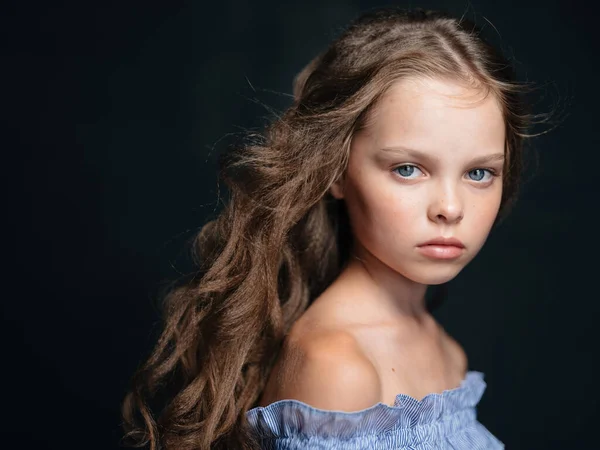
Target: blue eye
(479, 174)
(406, 170)
(411, 172)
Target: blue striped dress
(438, 421)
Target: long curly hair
(281, 239)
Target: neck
(381, 293)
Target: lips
(442, 241)
(442, 248)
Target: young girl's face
(426, 166)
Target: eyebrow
(424, 156)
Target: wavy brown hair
(282, 238)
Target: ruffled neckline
(288, 417)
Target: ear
(337, 189)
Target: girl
(306, 324)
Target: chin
(434, 276)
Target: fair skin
(422, 168)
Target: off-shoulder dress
(445, 421)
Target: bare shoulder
(328, 371)
(457, 353)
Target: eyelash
(492, 172)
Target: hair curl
(282, 238)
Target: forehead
(437, 114)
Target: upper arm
(330, 372)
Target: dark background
(114, 114)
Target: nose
(446, 205)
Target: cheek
(382, 217)
(484, 213)
(399, 217)
(489, 209)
